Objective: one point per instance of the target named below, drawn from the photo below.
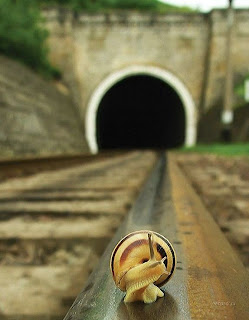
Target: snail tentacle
(152, 253)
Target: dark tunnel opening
(140, 112)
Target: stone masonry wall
(240, 53)
(90, 47)
(95, 46)
(35, 118)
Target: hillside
(35, 118)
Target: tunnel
(140, 112)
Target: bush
(22, 36)
(240, 88)
(106, 5)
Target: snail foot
(147, 295)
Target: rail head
(210, 282)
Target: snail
(140, 262)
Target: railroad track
(13, 168)
(210, 281)
(56, 218)
(54, 226)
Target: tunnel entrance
(140, 112)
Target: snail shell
(140, 262)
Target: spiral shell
(141, 261)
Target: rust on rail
(217, 281)
(210, 282)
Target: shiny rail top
(209, 283)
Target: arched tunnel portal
(138, 111)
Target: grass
(233, 149)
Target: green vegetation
(240, 88)
(107, 5)
(22, 36)
(236, 149)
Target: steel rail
(209, 283)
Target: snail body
(140, 262)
